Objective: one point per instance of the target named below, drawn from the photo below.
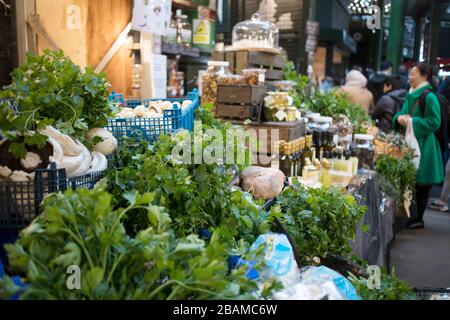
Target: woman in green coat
(426, 121)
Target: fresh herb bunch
(51, 90)
(82, 228)
(198, 196)
(328, 104)
(401, 173)
(320, 221)
(391, 287)
(332, 104)
(302, 90)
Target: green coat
(431, 169)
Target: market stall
(163, 225)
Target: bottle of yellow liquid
(325, 174)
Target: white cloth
(355, 79)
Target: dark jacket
(387, 107)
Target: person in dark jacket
(389, 104)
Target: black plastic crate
(20, 201)
(428, 293)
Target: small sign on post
(152, 16)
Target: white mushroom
(140, 111)
(69, 146)
(154, 109)
(166, 105)
(31, 161)
(186, 103)
(85, 162)
(5, 171)
(58, 154)
(109, 143)
(19, 176)
(98, 162)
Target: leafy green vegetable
(320, 221)
(328, 104)
(197, 196)
(391, 288)
(302, 89)
(401, 173)
(52, 90)
(81, 228)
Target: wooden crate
(287, 131)
(241, 94)
(244, 59)
(238, 111)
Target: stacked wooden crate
(240, 101)
(272, 62)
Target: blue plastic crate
(151, 128)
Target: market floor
(422, 257)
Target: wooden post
(26, 39)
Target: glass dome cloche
(255, 33)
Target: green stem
(214, 294)
(75, 115)
(164, 285)
(81, 244)
(116, 263)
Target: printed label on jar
(186, 35)
(171, 35)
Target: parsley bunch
(320, 221)
(51, 90)
(82, 228)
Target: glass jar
(231, 80)
(171, 33)
(254, 76)
(284, 85)
(363, 149)
(175, 88)
(255, 33)
(210, 79)
(184, 29)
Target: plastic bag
(333, 284)
(411, 141)
(279, 257)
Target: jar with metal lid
(254, 76)
(363, 149)
(283, 85)
(255, 33)
(275, 106)
(184, 29)
(324, 123)
(210, 80)
(171, 33)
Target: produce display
(156, 227)
(154, 109)
(50, 90)
(320, 221)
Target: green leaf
(92, 279)
(18, 150)
(71, 257)
(146, 198)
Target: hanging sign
(152, 16)
(202, 31)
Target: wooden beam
(36, 26)
(26, 40)
(113, 50)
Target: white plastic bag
(411, 141)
